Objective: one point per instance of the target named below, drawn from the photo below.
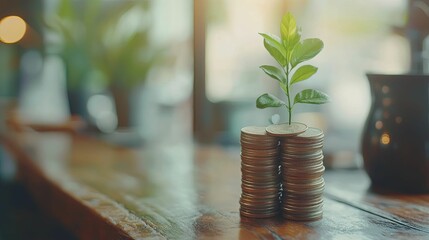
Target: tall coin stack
(302, 176)
(260, 174)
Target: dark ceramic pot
(395, 142)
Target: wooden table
(185, 191)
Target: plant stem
(289, 106)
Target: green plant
(91, 38)
(290, 51)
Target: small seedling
(290, 51)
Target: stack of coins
(260, 169)
(302, 171)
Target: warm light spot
(379, 125)
(385, 89)
(385, 139)
(387, 102)
(398, 120)
(386, 114)
(12, 29)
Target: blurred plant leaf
(276, 49)
(274, 72)
(84, 27)
(268, 100)
(289, 32)
(311, 96)
(305, 50)
(303, 73)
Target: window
(359, 37)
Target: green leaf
(284, 87)
(274, 73)
(267, 100)
(303, 73)
(311, 96)
(290, 34)
(288, 27)
(289, 45)
(306, 50)
(276, 49)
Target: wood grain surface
(185, 191)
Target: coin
(267, 190)
(301, 161)
(260, 206)
(260, 173)
(254, 131)
(263, 212)
(301, 201)
(285, 130)
(301, 146)
(282, 169)
(307, 155)
(301, 164)
(256, 162)
(304, 175)
(258, 145)
(248, 174)
(304, 217)
(245, 213)
(261, 183)
(259, 152)
(304, 185)
(311, 133)
(303, 168)
(265, 167)
(303, 210)
(302, 157)
(250, 200)
(305, 192)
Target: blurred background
(139, 71)
(147, 71)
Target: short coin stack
(302, 171)
(260, 179)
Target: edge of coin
(291, 132)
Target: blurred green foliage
(108, 37)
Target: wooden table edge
(84, 211)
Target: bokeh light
(12, 29)
(385, 139)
